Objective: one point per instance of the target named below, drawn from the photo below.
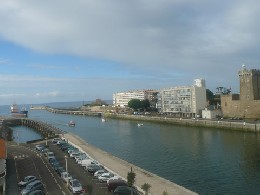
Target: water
(204, 160)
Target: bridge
(46, 130)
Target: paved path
(121, 167)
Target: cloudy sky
(61, 50)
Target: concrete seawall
(221, 124)
(121, 167)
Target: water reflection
(207, 161)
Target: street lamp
(66, 159)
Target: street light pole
(66, 158)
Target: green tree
(210, 96)
(146, 187)
(135, 104)
(131, 178)
(146, 104)
(139, 104)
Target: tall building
(249, 84)
(183, 101)
(121, 99)
(247, 103)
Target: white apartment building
(122, 99)
(183, 101)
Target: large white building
(122, 99)
(183, 101)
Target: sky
(82, 50)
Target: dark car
(60, 170)
(113, 184)
(94, 168)
(65, 146)
(125, 190)
(26, 180)
(37, 192)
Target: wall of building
(240, 108)
(247, 104)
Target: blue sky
(56, 50)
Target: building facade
(247, 103)
(183, 101)
(122, 99)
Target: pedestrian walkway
(158, 185)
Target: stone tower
(249, 84)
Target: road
(24, 160)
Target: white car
(105, 176)
(73, 154)
(114, 178)
(75, 186)
(39, 147)
(100, 172)
(65, 176)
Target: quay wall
(73, 112)
(222, 124)
(120, 167)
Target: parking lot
(24, 160)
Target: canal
(204, 160)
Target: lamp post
(66, 160)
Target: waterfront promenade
(121, 167)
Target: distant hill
(75, 104)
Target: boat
(72, 124)
(15, 111)
(103, 120)
(140, 124)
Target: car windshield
(26, 179)
(29, 186)
(76, 183)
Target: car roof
(34, 182)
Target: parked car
(50, 155)
(65, 176)
(94, 168)
(115, 177)
(113, 184)
(39, 147)
(80, 158)
(35, 185)
(36, 192)
(74, 153)
(100, 172)
(53, 161)
(26, 180)
(55, 140)
(105, 176)
(75, 186)
(60, 170)
(125, 190)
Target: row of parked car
(73, 184)
(31, 185)
(114, 182)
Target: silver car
(26, 180)
(35, 185)
(75, 186)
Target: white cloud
(167, 37)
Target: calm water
(207, 161)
